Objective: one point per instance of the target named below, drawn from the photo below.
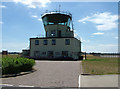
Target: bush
(16, 65)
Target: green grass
(13, 65)
(100, 66)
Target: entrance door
(59, 33)
(50, 54)
(65, 53)
(37, 53)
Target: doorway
(50, 54)
(59, 33)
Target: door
(65, 53)
(59, 33)
(37, 53)
(50, 54)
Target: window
(53, 33)
(36, 42)
(65, 53)
(67, 41)
(43, 53)
(47, 33)
(53, 42)
(57, 53)
(45, 42)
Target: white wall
(60, 46)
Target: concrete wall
(65, 32)
(73, 49)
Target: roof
(56, 12)
(53, 38)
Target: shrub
(16, 65)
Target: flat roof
(52, 38)
(56, 12)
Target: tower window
(36, 42)
(53, 33)
(45, 42)
(47, 33)
(67, 41)
(53, 42)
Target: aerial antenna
(46, 11)
(59, 7)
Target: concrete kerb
(19, 74)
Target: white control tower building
(59, 42)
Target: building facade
(59, 41)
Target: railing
(61, 12)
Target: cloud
(85, 41)
(1, 22)
(2, 6)
(104, 21)
(34, 16)
(33, 3)
(39, 19)
(116, 37)
(98, 33)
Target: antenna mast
(59, 7)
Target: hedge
(16, 65)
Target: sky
(95, 23)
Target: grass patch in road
(100, 66)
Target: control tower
(58, 24)
(59, 42)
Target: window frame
(67, 43)
(53, 40)
(45, 43)
(36, 42)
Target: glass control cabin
(58, 24)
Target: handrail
(60, 12)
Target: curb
(19, 74)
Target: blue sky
(95, 23)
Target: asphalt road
(48, 74)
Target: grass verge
(100, 66)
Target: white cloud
(1, 22)
(39, 19)
(33, 3)
(98, 33)
(2, 6)
(116, 37)
(104, 21)
(85, 41)
(34, 16)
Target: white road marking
(25, 86)
(79, 81)
(6, 85)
